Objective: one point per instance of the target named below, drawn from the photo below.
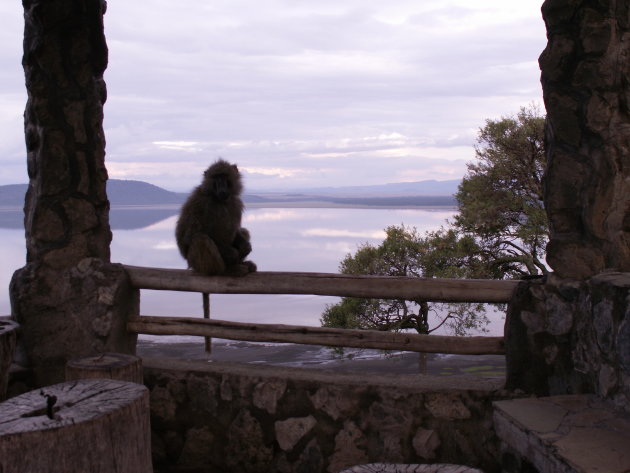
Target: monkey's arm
(242, 243)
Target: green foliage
(500, 232)
(500, 200)
(404, 252)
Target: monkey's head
(222, 180)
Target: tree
(500, 200)
(404, 252)
(500, 232)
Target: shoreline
(317, 357)
(335, 205)
(288, 204)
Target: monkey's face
(222, 182)
(221, 187)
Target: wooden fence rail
(325, 284)
(316, 335)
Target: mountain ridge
(430, 187)
(132, 192)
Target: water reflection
(304, 239)
(133, 218)
(12, 218)
(272, 215)
(120, 218)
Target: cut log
(8, 339)
(78, 426)
(106, 365)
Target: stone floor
(402, 468)
(566, 434)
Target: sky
(297, 93)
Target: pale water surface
(284, 239)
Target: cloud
(335, 233)
(186, 146)
(300, 94)
(279, 173)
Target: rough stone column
(586, 85)
(65, 55)
(69, 300)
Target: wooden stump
(408, 468)
(8, 339)
(106, 365)
(89, 425)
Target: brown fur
(209, 233)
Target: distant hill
(397, 201)
(123, 192)
(129, 192)
(312, 200)
(427, 188)
(119, 192)
(13, 195)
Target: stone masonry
(567, 337)
(585, 70)
(214, 417)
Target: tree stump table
(89, 425)
(8, 339)
(106, 365)
(409, 468)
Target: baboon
(209, 233)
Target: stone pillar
(65, 55)
(69, 300)
(585, 69)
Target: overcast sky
(298, 93)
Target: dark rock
(623, 344)
(587, 186)
(87, 305)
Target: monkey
(208, 232)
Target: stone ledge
(566, 434)
(419, 383)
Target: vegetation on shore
(500, 232)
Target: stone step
(565, 434)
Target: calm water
(284, 239)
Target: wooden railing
(381, 287)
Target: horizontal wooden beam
(316, 335)
(327, 284)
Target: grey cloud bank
(319, 94)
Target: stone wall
(78, 312)
(211, 417)
(585, 69)
(569, 337)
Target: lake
(283, 239)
